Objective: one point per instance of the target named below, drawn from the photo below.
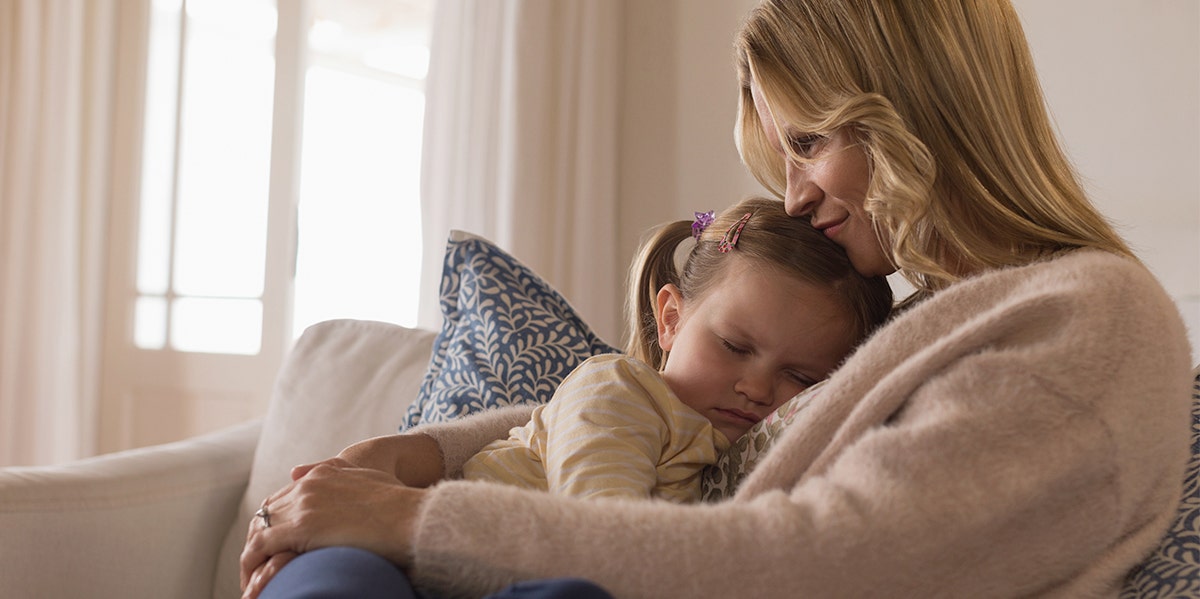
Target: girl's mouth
(740, 416)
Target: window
(203, 232)
(279, 184)
(360, 221)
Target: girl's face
(831, 191)
(750, 343)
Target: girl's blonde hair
(769, 238)
(942, 95)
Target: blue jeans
(359, 574)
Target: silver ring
(264, 515)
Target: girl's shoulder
(615, 365)
(615, 370)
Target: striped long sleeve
(612, 429)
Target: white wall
(1122, 80)
(678, 107)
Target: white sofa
(169, 521)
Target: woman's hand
(332, 503)
(414, 459)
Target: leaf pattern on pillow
(507, 336)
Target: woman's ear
(668, 315)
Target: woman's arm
(460, 439)
(1021, 434)
(946, 503)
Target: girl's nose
(755, 387)
(802, 194)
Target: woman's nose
(802, 194)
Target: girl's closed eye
(801, 379)
(741, 351)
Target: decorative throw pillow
(507, 336)
(1173, 570)
(734, 464)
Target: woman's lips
(831, 229)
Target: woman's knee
(339, 572)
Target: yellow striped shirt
(612, 429)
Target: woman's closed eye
(804, 145)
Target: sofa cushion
(344, 381)
(507, 336)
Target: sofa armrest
(141, 523)
(343, 381)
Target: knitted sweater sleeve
(1020, 434)
(462, 438)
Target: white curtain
(56, 65)
(521, 140)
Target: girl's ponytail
(653, 268)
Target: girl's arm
(460, 439)
(615, 429)
(429, 453)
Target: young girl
(763, 307)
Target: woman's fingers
(264, 573)
(263, 535)
(331, 504)
(299, 472)
(275, 529)
(253, 557)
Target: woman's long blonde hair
(967, 172)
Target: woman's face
(831, 190)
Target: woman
(1018, 429)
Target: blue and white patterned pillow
(507, 336)
(1173, 570)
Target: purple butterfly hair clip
(703, 220)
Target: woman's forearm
(413, 458)
(460, 439)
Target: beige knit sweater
(1022, 433)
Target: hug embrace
(1018, 426)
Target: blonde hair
(769, 238)
(966, 170)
